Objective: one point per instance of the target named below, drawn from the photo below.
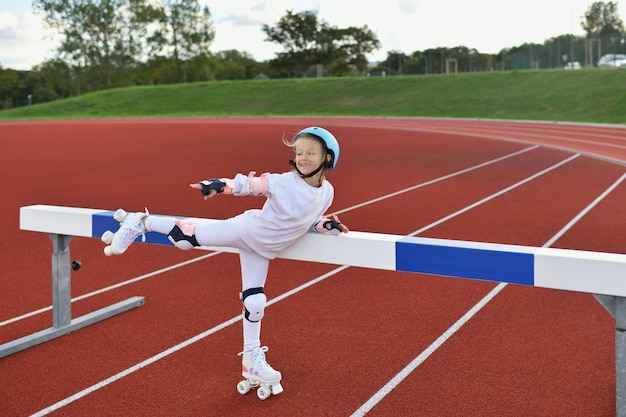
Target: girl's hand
(209, 188)
(342, 227)
(334, 223)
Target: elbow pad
(257, 185)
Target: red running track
(354, 342)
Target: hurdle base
(26, 342)
(62, 322)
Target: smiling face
(310, 155)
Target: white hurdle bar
(598, 273)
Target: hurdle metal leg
(62, 322)
(616, 306)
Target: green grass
(591, 95)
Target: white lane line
(436, 180)
(404, 373)
(174, 349)
(401, 376)
(112, 287)
(499, 193)
(585, 211)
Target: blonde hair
(292, 142)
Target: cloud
(25, 40)
(250, 12)
(239, 25)
(240, 20)
(8, 20)
(407, 6)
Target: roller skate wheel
(243, 387)
(107, 237)
(119, 215)
(263, 392)
(108, 251)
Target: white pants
(254, 267)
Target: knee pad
(181, 240)
(254, 301)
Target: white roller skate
(131, 226)
(259, 374)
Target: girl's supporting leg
(254, 268)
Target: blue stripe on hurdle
(479, 261)
(103, 221)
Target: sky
(401, 25)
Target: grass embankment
(591, 95)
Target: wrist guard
(212, 184)
(328, 226)
(331, 224)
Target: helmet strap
(293, 164)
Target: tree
(102, 35)
(51, 80)
(185, 32)
(353, 44)
(394, 62)
(298, 34)
(235, 65)
(605, 31)
(308, 41)
(295, 32)
(602, 19)
(9, 88)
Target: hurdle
(598, 273)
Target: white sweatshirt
(291, 209)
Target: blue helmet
(332, 146)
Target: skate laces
(258, 359)
(134, 227)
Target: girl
(296, 203)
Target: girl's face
(309, 154)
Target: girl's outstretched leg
(180, 232)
